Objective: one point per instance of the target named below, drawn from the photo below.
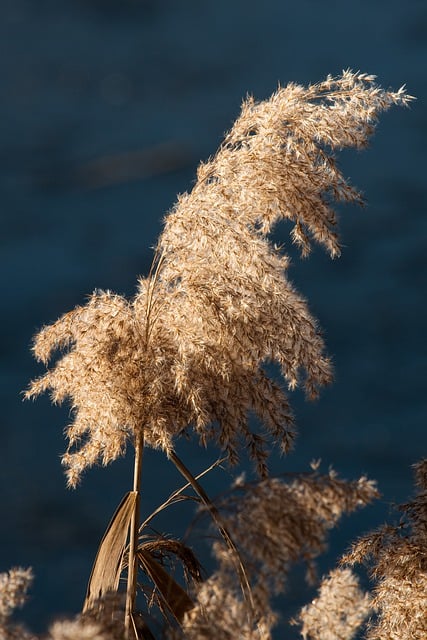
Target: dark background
(107, 107)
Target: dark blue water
(107, 107)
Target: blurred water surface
(107, 108)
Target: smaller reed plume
(396, 557)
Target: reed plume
(339, 610)
(396, 557)
(275, 523)
(396, 560)
(190, 353)
(14, 586)
(280, 520)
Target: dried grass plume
(188, 351)
(14, 586)
(396, 557)
(339, 610)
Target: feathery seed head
(339, 610)
(397, 561)
(190, 349)
(274, 522)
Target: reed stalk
(133, 540)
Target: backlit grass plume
(278, 520)
(275, 523)
(396, 557)
(189, 352)
(13, 593)
(339, 610)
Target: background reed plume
(190, 351)
(396, 559)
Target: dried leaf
(107, 567)
(173, 595)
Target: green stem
(133, 541)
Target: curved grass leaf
(173, 595)
(107, 567)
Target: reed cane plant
(189, 354)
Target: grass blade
(173, 595)
(107, 567)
